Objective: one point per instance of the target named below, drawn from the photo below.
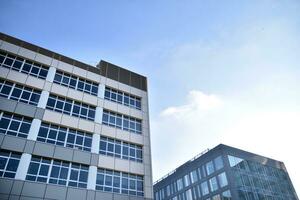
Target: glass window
(9, 162)
(66, 137)
(179, 184)
(233, 161)
(70, 107)
(219, 162)
(216, 197)
(112, 147)
(213, 184)
(204, 188)
(188, 194)
(122, 98)
(186, 180)
(194, 177)
(119, 182)
(16, 125)
(122, 122)
(210, 168)
(72, 81)
(16, 63)
(222, 179)
(57, 172)
(19, 93)
(226, 195)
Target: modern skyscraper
(69, 130)
(227, 173)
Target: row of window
(264, 179)
(120, 149)
(191, 194)
(19, 93)
(195, 176)
(122, 98)
(71, 107)
(26, 66)
(75, 82)
(17, 125)
(59, 172)
(63, 136)
(123, 122)
(64, 105)
(9, 162)
(19, 64)
(119, 182)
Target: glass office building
(69, 130)
(227, 173)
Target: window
(19, 93)
(219, 162)
(122, 98)
(213, 184)
(67, 137)
(204, 188)
(57, 172)
(75, 82)
(9, 162)
(120, 149)
(222, 179)
(122, 122)
(196, 192)
(188, 194)
(194, 177)
(25, 66)
(119, 182)
(16, 125)
(71, 107)
(233, 161)
(186, 180)
(226, 195)
(216, 197)
(179, 184)
(210, 168)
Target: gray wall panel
(94, 159)
(42, 149)
(13, 143)
(90, 195)
(25, 109)
(7, 104)
(56, 192)
(31, 189)
(76, 194)
(103, 195)
(5, 185)
(39, 113)
(63, 153)
(17, 187)
(82, 157)
(29, 146)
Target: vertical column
(23, 166)
(98, 115)
(43, 99)
(95, 143)
(34, 129)
(101, 90)
(92, 178)
(51, 74)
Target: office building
(227, 173)
(69, 130)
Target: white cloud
(196, 101)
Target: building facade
(69, 130)
(227, 173)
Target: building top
(207, 154)
(103, 68)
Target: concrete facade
(103, 75)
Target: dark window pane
(12, 165)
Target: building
(227, 173)
(69, 130)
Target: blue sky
(218, 71)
